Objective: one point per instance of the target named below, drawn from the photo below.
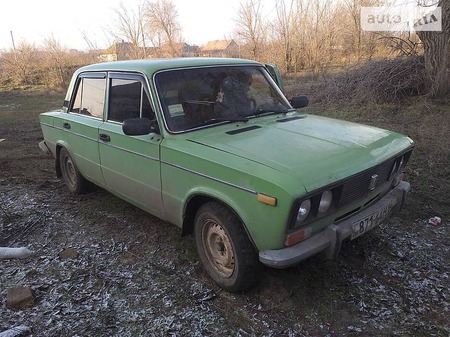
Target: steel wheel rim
(69, 169)
(218, 248)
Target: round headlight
(325, 201)
(303, 210)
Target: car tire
(226, 253)
(73, 179)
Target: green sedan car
(215, 147)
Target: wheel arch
(59, 146)
(194, 203)
(57, 161)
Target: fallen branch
(14, 253)
(16, 331)
(388, 80)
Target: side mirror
(298, 102)
(139, 126)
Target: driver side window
(128, 99)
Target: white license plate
(363, 225)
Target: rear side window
(90, 97)
(128, 99)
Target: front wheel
(76, 183)
(224, 249)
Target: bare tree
(92, 44)
(250, 26)
(285, 23)
(350, 19)
(321, 39)
(350, 13)
(437, 53)
(164, 28)
(57, 63)
(20, 65)
(130, 26)
(94, 51)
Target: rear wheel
(72, 177)
(224, 249)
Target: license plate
(363, 225)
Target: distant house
(119, 51)
(221, 48)
(178, 49)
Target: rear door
(79, 126)
(130, 164)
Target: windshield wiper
(261, 111)
(220, 120)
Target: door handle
(105, 137)
(66, 125)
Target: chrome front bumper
(330, 239)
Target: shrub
(386, 80)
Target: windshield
(193, 98)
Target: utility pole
(14, 46)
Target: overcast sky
(35, 20)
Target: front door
(130, 164)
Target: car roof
(150, 66)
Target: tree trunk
(437, 54)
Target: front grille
(358, 186)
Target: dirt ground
(105, 268)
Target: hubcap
(218, 248)
(70, 171)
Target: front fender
(264, 224)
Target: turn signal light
(265, 199)
(298, 236)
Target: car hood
(316, 151)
